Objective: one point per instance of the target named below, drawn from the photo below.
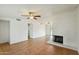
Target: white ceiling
(15, 10)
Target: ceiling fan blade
(37, 16)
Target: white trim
(78, 51)
(17, 42)
(62, 45)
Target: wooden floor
(34, 47)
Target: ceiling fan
(31, 15)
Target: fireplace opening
(58, 39)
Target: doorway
(30, 31)
(4, 31)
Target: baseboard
(5, 43)
(78, 51)
(38, 37)
(17, 42)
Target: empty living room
(39, 29)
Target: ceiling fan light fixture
(31, 15)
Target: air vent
(18, 19)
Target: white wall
(4, 31)
(77, 28)
(65, 24)
(48, 29)
(18, 30)
(38, 30)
